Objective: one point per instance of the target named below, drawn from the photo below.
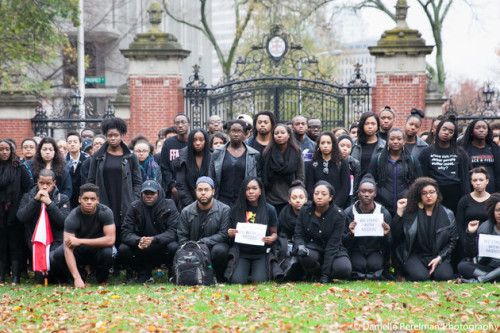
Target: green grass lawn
(340, 306)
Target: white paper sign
(368, 225)
(250, 233)
(489, 246)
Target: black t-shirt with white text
(444, 165)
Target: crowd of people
(115, 206)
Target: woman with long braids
(394, 170)
(447, 163)
(15, 180)
(193, 163)
(327, 164)
(47, 156)
(425, 233)
(368, 144)
(251, 207)
(483, 152)
(232, 163)
(283, 164)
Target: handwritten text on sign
(368, 225)
(489, 246)
(250, 233)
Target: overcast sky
(471, 37)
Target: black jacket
(391, 185)
(76, 177)
(58, 210)
(164, 219)
(287, 221)
(404, 232)
(325, 237)
(131, 177)
(185, 187)
(216, 225)
(21, 184)
(486, 228)
(355, 171)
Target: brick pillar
(154, 79)
(400, 68)
(16, 110)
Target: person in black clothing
(369, 255)
(387, 117)
(263, 123)
(15, 180)
(75, 157)
(345, 147)
(47, 156)
(327, 164)
(486, 269)
(425, 233)
(115, 170)
(149, 232)
(206, 221)
(232, 163)
(170, 151)
(472, 206)
(368, 144)
(89, 235)
(57, 207)
(28, 148)
(251, 207)
(283, 164)
(448, 164)
(394, 170)
(413, 143)
(318, 236)
(478, 143)
(217, 140)
(97, 142)
(193, 163)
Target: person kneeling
(89, 235)
(253, 260)
(149, 232)
(367, 254)
(426, 233)
(318, 236)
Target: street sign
(95, 80)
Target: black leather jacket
(324, 237)
(404, 231)
(216, 226)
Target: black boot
(16, 272)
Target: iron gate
(278, 76)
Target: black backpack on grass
(193, 266)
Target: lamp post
(487, 101)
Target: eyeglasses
(215, 122)
(141, 151)
(182, 122)
(424, 194)
(28, 147)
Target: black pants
(451, 196)
(220, 255)
(11, 246)
(254, 266)
(366, 264)
(467, 268)
(418, 271)
(147, 259)
(341, 266)
(101, 258)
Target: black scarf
(281, 165)
(426, 232)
